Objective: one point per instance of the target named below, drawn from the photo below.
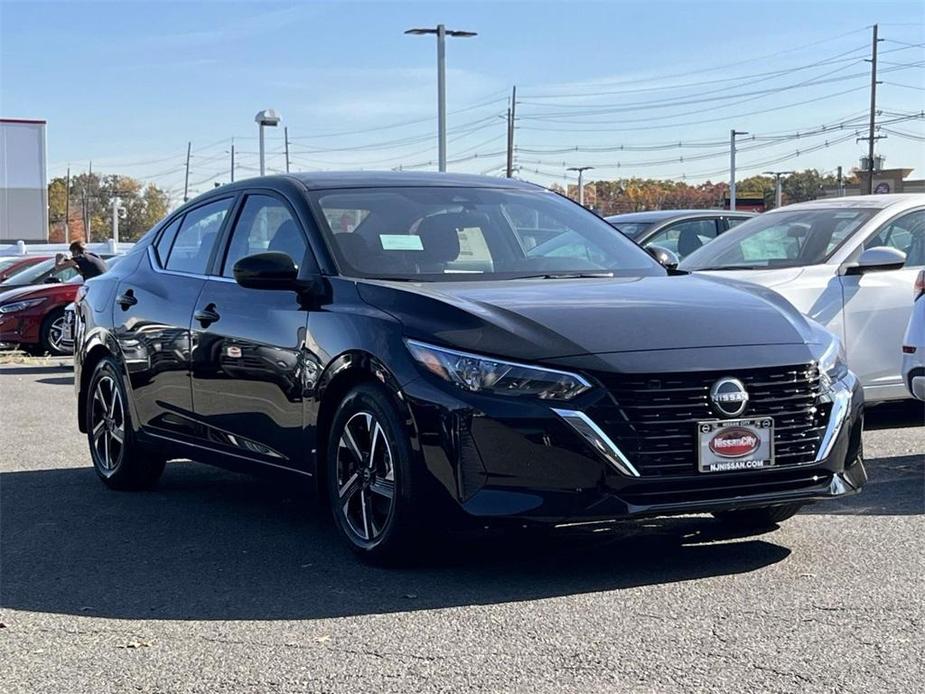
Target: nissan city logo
(729, 397)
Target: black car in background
(680, 231)
(398, 338)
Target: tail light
(919, 288)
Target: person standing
(87, 264)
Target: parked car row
(33, 302)
(449, 361)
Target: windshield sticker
(401, 242)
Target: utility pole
(732, 167)
(286, 137)
(189, 146)
(441, 32)
(88, 200)
(511, 114)
(581, 187)
(840, 190)
(67, 206)
(778, 197)
(869, 183)
(232, 160)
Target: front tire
(120, 460)
(758, 518)
(368, 475)
(51, 334)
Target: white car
(846, 262)
(914, 343)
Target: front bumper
(20, 328)
(499, 462)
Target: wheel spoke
(366, 533)
(350, 443)
(383, 487)
(118, 435)
(116, 401)
(376, 436)
(349, 488)
(106, 460)
(97, 430)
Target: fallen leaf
(135, 644)
(323, 639)
(410, 596)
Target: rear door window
(196, 238)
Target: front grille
(654, 418)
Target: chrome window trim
(602, 443)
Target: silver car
(914, 343)
(846, 262)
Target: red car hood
(66, 292)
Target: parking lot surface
(218, 582)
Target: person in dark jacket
(88, 264)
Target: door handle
(207, 316)
(127, 299)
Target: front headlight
(479, 374)
(832, 365)
(20, 305)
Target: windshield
(31, 273)
(444, 233)
(633, 230)
(791, 238)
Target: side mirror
(669, 259)
(270, 270)
(877, 259)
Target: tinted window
(265, 224)
(193, 244)
(789, 238)
(633, 230)
(434, 233)
(906, 234)
(735, 221)
(162, 247)
(684, 237)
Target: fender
(95, 338)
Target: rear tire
(759, 518)
(51, 332)
(369, 476)
(120, 460)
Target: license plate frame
(734, 434)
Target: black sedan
(680, 231)
(397, 338)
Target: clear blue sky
(128, 83)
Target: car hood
(545, 319)
(766, 278)
(33, 291)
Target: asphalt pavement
(218, 582)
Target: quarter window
(194, 242)
(162, 247)
(265, 224)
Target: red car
(33, 316)
(10, 265)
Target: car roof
(665, 215)
(374, 179)
(879, 202)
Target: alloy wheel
(56, 334)
(365, 476)
(107, 424)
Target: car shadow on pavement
(893, 415)
(208, 544)
(57, 381)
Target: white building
(23, 181)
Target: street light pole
(778, 196)
(267, 117)
(732, 167)
(441, 33)
(581, 187)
